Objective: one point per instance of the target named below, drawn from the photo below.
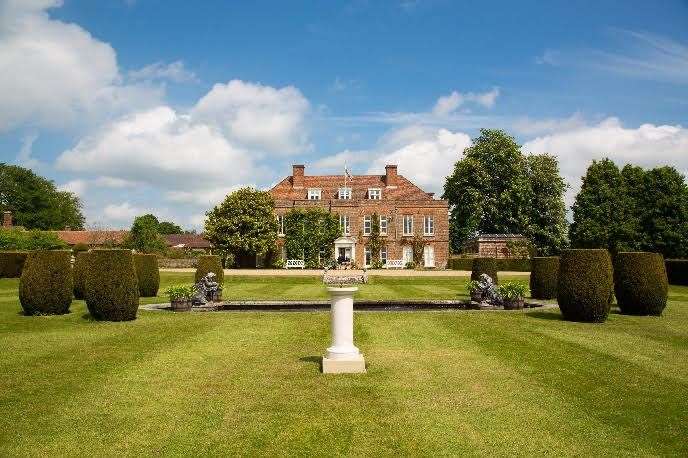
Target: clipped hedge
(677, 271)
(544, 277)
(79, 272)
(210, 263)
(484, 266)
(586, 285)
(148, 274)
(12, 263)
(640, 283)
(112, 290)
(45, 286)
(508, 264)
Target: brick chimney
(7, 219)
(297, 173)
(391, 176)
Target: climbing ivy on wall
(375, 241)
(308, 232)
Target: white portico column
(342, 356)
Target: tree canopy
(310, 232)
(35, 202)
(144, 235)
(167, 227)
(244, 224)
(495, 188)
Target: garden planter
(514, 304)
(181, 305)
(476, 297)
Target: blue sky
(166, 106)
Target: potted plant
(513, 295)
(475, 291)
(180, 297)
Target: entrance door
(344, 253)
(429, 256)
(408, 254)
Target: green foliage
(180, 292)
(112, 292)
(544, 277)
(503, 264)
(144, 236)
(209, 263)
(640, 283)
(410, 265)
(35, 202)
(79, 247)
(677, 271)
(167, 227)
(472, 286)
(46, 284)
(310, 232)
(460, 264)
(147, 274)
(586, 284)
(520, 249)
(17, 239)
(495, 188)
(79, 273)
(12, 263)
(484, 266)
(417, 243)
(375, 242)
(513, 291)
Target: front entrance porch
(345, 249)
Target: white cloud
(648, 145)
(113, 182)
(549, 57)
(258, 117)
(55, 73)
(206, 198)
(77, 187)
(447, 104)
(174, 71)
(123, 212)
(25, 155)
(529, 126)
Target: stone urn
(181, 305)
(513, 304)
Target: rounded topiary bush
(148, 274)
(46, 284)
(586, 285)
(640, 283)
(79, 272)
(484, 266)
(112, 290)
(12, 263)
(209, 263)
(544, 276)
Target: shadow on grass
(546, 316)
(317, 360)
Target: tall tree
(244, 224)
(495, 188)
(144, 236)
(547, 227)
(167, 227)
(603, 213)
(35, 202)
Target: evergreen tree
(547, 228)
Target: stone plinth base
(351, 365)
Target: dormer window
(345, 193)
(314, 193)
(374, 193)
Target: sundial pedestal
(342, 356)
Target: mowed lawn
(451, 382)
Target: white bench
(294, 264)
(394, 264)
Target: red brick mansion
(404, 210)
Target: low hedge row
(677, 271)
(112, 290)
(12, 263)
(148, 274)
(508, 264)
(210, 263)
(486, 266)
(45, 286)
(544, 277)
(586, 285)
(640, 283)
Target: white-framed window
(383, 255)
(383, 225)
(368, 257)
(280, 224)
(429, 225)
(314, 193)
(408, 225)
(374, 193)
(408, 254)
(429, 256)
(367, 225)
(344, 193)
(344, 224)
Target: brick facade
(494, 245)
(399, 198)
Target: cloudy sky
(165, 106)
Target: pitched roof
(92, 237)
(359, 184)
(187, 241)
